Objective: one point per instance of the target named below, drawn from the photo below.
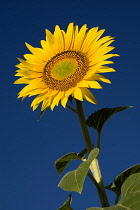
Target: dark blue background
(28, 148)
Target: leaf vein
(123, 206)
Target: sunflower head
(67, 65)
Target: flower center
(65, 70)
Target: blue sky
(28, 148)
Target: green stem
(117, 198)
(94, 165)
(98, 140)
(83, 126)
(99, 190)
(73, 110)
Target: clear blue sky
(28, 148)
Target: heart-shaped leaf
(131, 185)
(62, 162)
(120, 179)
(98, 118)
(130, 195)
(74, 180)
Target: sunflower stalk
(99, 190)
(94, 167)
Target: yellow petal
(96, 58)
(45, 104)
(21, 66)
(64, 101)
(59, 39)
(100, 78)
(31, 89)
(36, 92)
(47, 49)
(36, 51)
(35, 106)
(103, 42)
(90, 84)
(50, 38)
(39, 99)
(105, 69)
(28, 73)
(33, 67)
(69, 92)
(69, 36)
(91, 35)
(56, 100)
(88, 96)
(105, 62)
(92, 71)
(99, 34)
(22, 81)
(83, 83)
(95, 43)
(106, 40)
(94, 84)
(101, 50)
(35, 60)
(52, 42)
(75, 31)
(79, 39)
(105, 50)
(78, 94)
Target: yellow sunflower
(67, 65)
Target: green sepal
(130, 195)
(66, 205)
(74, 180)
(41, 114)
(120, 179)
(98, 118)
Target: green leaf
(74, 180)
(108, 208)
(130, 195)
(62, 162)
(94, 208)
(98, 118)
(66, 205)
(131, 185)
(120, 179)
(131, 202)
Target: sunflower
(67, 65)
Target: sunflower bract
(67, 65)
